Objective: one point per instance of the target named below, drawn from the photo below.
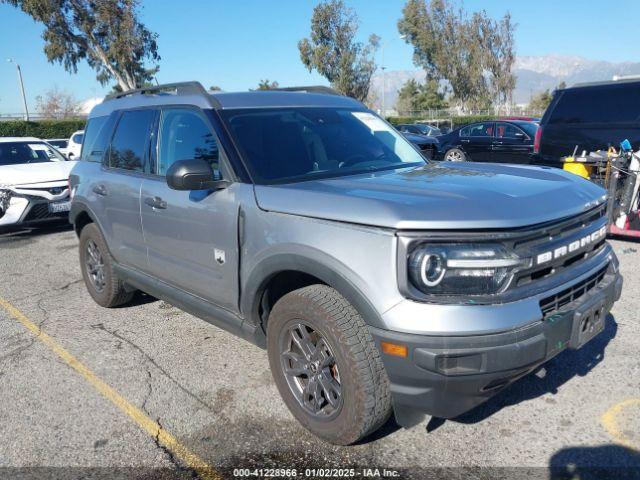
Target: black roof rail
(310, 89)
(180, 88)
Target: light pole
(24, 97)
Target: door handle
(100, 190)
(155, 202)
(464, 140)
(497, 143)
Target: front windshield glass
(16, 153)
(297, 144)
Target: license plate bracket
(589, 320)
(59, 207)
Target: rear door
(126, 164)
(510, 144)
(476, 140)
(191, 236)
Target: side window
(480, 130)
(606, 104)
(129, 144)
(465, 132)
(506, 130)
(184, 135)
(96, 138)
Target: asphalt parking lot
(139, 389)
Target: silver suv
(377, 281)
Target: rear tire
(96, 263)
(344, 395)
(455, 155)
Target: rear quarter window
(609, 104)
(96, 138)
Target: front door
(510, 144)
(476, 141)
(191, 236)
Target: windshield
(16, 153)
(297, 144)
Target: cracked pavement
(214, 392)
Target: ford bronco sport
(377, 281)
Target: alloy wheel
(94, 265)
(311, 371)
(455, 156)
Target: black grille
(549, 237)
(556, 302)
(40, 211)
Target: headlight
(462, 269)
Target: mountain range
(534, 74)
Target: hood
(439, 196)
(29, 173)
(420, 139)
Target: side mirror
(193, 175)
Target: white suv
(33, 181)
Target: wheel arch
(304, 270)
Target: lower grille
(40, 211)
(556, 302)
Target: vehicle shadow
(548, 377)
(595, 463)
(17, 233)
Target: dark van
(590, 117)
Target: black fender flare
(327, 269)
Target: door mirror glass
(194, 175)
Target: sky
(236, 43)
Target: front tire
(96, 263)
(326, 365)
(455, 155)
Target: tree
(473, 54)
(105, 33)
(541, 101)
(56, 103)
(498, 53)
(333, 51)
(267, 85)
(416, 97)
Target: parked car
(419, 129)
(427, 145)
(304, 223)
(497, 141)
(589, 117)
(61, 144)
(33, 182)
(75, 145)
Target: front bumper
(445, 376)
(27, 206)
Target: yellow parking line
(152, 427)
(609, 421)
